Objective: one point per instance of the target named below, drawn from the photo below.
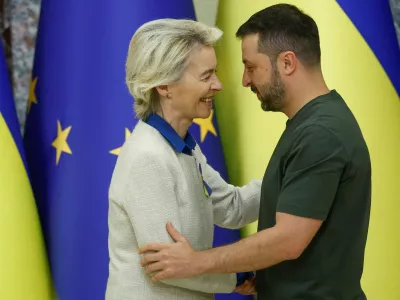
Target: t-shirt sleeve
(313, 169)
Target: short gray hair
(158, 54)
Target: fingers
(157, 266)
(251, 288)
(247, 288)
(149, 258)
(175, 234)
(241, 288)
(159, 276)
(160, 246)
(152, 247)
(244, 291)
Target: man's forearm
(261, 250)
(286, 240)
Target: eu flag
(79, 115)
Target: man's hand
(177, 260)
(248, 287)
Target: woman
(161, 174)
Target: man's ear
(163, 91)
(288, 62)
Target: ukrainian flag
(24, 272)
(360, 59)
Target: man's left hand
(177, 260)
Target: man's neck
(303, 92)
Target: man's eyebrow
(246, 62)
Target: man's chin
(266, 107)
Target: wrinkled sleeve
(234, 207)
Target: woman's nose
(217, 85)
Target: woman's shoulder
(145, 143)
(142, 152)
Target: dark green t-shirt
(320, 169)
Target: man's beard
(272, 94)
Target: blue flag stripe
(374, 21)
(7, 105)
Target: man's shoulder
(336, 122)
(331, 134)
(316, 132)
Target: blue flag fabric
(7, 106)
(380, 36)
(79, 114)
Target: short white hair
(158, 54)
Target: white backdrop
(206, 11)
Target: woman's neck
(179, 124)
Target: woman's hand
(248, 287)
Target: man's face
(261, 75)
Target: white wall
(206, 11)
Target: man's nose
(246, 82)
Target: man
(316, 191)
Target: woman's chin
(204, 114)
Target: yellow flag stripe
(24, 272)
(352, 69)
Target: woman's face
(192, 96)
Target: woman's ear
(163, 91)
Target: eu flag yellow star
(32, 94)
(206, 125)
(116, 151)
(60, 143)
